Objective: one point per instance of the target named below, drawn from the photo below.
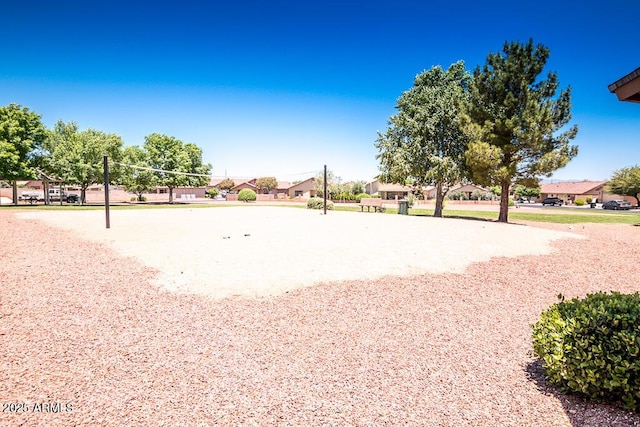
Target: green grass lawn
(599, 216)
(569, 216)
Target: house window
(298, 193)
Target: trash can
(403, 207)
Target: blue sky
(283, 87)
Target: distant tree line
(28, 150)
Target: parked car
(617, 205)
(54, 196)
(552, 201)
(32, 196)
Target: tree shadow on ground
(472, 218)
(581, 411)
(469, 218)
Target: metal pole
(106, 190)
(325, 189)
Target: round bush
(579, 202)
(591, 346)
(247, 195)
(318, 203)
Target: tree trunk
(15, 192)
(83, 195)
(504, 202)
(170, 195)
(45, 186)
(637, 196)
(439, 201)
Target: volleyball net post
(106, 191)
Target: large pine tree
(518, 124)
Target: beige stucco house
(388, 191)
(302, 190)
(572, 191)
(467, 189)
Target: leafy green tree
(626, 182)
(517, 125)
(201, 171)
(21, 134)
(77, 157)
(226, 184)
(266, 184)
(177, 162)
(528, 193)
(358, 187)
(425, 141)
(167, 154)
(136, 180)
(333, 184)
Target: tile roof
(236, 180)
(393, 187)
(582, 187)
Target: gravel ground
(88, 338)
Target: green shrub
(478, 195)
(591, 346)
(589, 200)
(212, 193)
(318, 203)
(511, 202)
(361, 196)
(579, 202)
(343, 196)
(458, 195)
(247, 195)
(134, 198)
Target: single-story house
(467, 189)
(215, 182)
(388, 191)
(246, 184)
(250, 183)
(572, 191)
(302, 190)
